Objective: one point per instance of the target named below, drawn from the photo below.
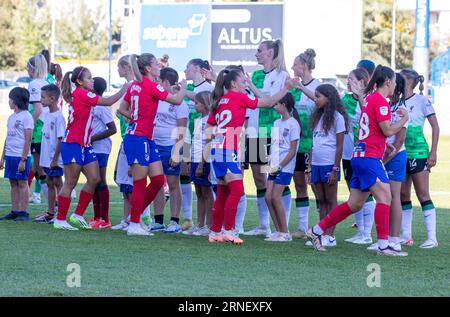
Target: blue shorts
(126, 189)
(204, 180)
(75, 153)
(165, 152)
(54, 172)
(396, 167)
(11, 168)
(140, 150)
(102, 160)
(281, 178)
(320, 174)
(225, 162)
(367, 172)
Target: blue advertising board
(182, 31)
(422, 24)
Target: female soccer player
(228, 115)
(369, 174)
(143, 97)
(420, 160)
(76, 150)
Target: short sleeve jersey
(53, 129)
(354, 114)
(283, 133)
(166, 124)
(305, 107)
(193, 114)
(34, 88)
(229, 119)
(16, 126)
(102, 116)
(199, 139)
(419, 108)
(324, 144)
(260, 121)
(371, 140)
(144, 97)
(396, 117)
(79, 126)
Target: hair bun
(310, 52)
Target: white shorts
(122, 177)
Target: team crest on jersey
(172, 108)
(251, 97)
(286, 132)
(91, 95)
(18, 124)
(224, 101)
(384, 110)
(52, 126)
(160, 88)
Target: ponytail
(379, 77)
(66, 87)
(421, 80)
(289, 101)
(39, 66)
(277, 46)
(139, 63)
(399, 92)
(135, 67)
(307, 58)
(223, 82)
(412, 75)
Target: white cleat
(373, 247)
(329, 241)
(363, 241)
(63, 225)
(123, 225)
(389, 251)
(258, 231)
(137, 230)
(355, 237)
(429, 244)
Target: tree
(9, 53)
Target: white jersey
(122, 177)
(199, 139)
(18, 122)
(54, 128)
(193, 114)
(101, 117)
(395, 117)
(273, 84)
(34, 88)
(324, 144)
(283, 133)
(165, 132)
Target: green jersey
(123, 125)
(353, 110)
(260, 120)
(419, 108)
(305, 107)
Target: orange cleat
(229, 238)
(215, 238)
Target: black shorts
(302, 162)
(414, 166)
(347, 168)
(257, 151)
(36, 148)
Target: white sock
(407, 216)
(44, 188)
(186, 200)
(263, 210)
(383, 244)
(429, 218)
(317, 230)
(286, 200)
(240, 215)
(359, 219)
(302, 206)
(368, 213)
(146, 211)
(78, 216)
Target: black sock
(159, 219)
(177, 220)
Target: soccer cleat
(280, 237)
(173, 228)
(429, 244)
(363, 240)
(316, 240)
(191, 231)
(215, 237)
(11, 216)
(357, 236)
(406, 242)
(299, 235)
(79, 222)
(389, 251)
(101, 224)
(25, 216)
(231, 238)
(273, 236)
(157, 227)
(63, 225)
(373, 247)
(329, 241)
(187, 224)
(258, 231)
(123, 225)
(35, 198)
(202, 232)
(146, 219)
(44, 218)
(137, 230)
(92, 221)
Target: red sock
(382, 213)
(63, 207)
(156, 182)
(83, 202)
(137, 200)
(30, 178)
(335, 216)
(218, 208)
(236, 189)
(104, 201)
(97, 205)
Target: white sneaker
(363, 240)
(391, 252)
(123, 225)
(272, 235)
(373, 247)
(36, 198)
(258, 231)
(309, 244)
(63, 225)
(173, 227)
(429, 244)
(395, 246)
(191, 231)
(329, 241)
(137, 230)
(279, 237)
(202, 232)
(357, 236)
